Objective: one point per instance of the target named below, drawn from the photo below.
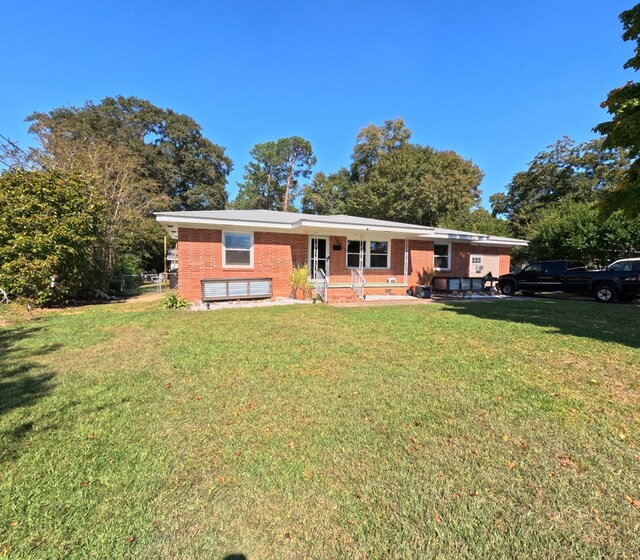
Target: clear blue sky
(494, 81)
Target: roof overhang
(171, 222)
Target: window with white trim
(353, 254)
(375, 254)
(442, 256)
(237, 249)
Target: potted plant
(301, 286)
(425, 278)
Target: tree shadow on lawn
(22, 380)
(616, 323)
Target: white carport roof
(350, 226)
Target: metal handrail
(357, 282)
(321, 284)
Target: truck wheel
(508, 288)
(605, 293)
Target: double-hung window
(442, 256)
(375, 254)
(237, 249)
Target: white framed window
(353, 254)
(442, 256)
(375, 254)
(237, 249)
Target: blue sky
(494, 81)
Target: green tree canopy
(190, 169)
(49, 226)
(392, 179)
(271, 179)
(327, 194)
(623, 130)
(416, 184)
(565, 171)
(575, 230)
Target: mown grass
(471, 430)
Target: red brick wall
(274, 255)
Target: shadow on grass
(22, 380)
(606, 323)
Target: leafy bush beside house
(49, 226)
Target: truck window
(534, 267)
(553, 268)
(621, 266)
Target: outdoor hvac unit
(479, 268)
(391, 280)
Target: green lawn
(505, 429)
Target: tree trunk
(288, 187)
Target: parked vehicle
(620, 280)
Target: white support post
(361, 258)
(406, 261)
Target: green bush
(175, 301)
(48, 230)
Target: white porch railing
(357, 282)
(321, 284)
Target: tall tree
(125, 194)
(565, 171)
(271, 179)
(623, 130)
(190, 169)
(327, 194)
(374, 142)
(416, 184)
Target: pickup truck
(620, 280)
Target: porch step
(342, 295)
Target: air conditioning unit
(479, 269)
(391, 280)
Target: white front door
(318, 257)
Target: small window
(441, 256)
(237, 249)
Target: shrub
(175, 301)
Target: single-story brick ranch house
(251, 253)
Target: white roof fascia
(189, 221)
(501, 242)
(312, 224)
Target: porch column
(406, 261)
(361, 258)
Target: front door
(318, 257)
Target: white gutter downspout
(406, 261)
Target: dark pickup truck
(620, 280)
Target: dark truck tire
(508, 288)
(605, 293)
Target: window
(353, 254)
(237, 249)
(375, 254)
(442, 256)
(378, 254)
(535, 267)
(621, 266)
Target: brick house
(236, 253)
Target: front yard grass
(501, 429)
